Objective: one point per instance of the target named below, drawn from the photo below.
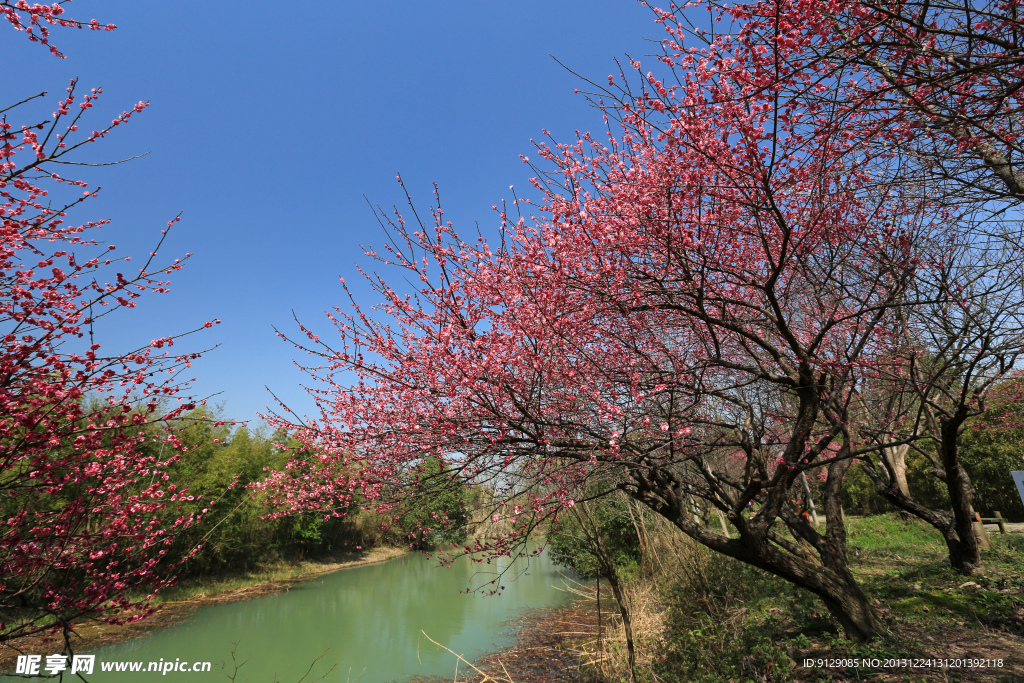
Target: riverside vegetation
(219, 463)
(660, 608)
(700, 617)
(690, 614)
(675, 611)
(239, 551)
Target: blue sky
(269, 123)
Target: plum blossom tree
(950, 73)
(80, 495)
(36, 20)
(689, 317)
(943, 81)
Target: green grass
(889, 538)
(280, 571)
(905, 564)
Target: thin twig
(464, 661)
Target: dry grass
(666, 553)
(605, 654)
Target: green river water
(368, 620)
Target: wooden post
(1000, 522)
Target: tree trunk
(832, 581)
(962, 558)
(827, 574)
(955, 525)
(810, 499)
(965, 553)
(607, 568)
(858, 618)
(838, 590)
(627, 625)
(847, 603)
(896, 458)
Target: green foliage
(436, 514)
(989, 453)
(217, 465)
(722, 619)
(606, 518)
(860, 495)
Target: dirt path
(92, 635)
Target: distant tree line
(219, 462)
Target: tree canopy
(712, 300)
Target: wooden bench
(998, 519)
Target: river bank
(547, 648)
(183, 601)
